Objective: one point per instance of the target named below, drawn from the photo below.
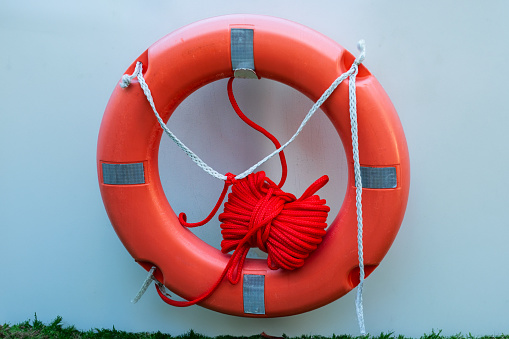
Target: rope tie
(127, 79)
(258, 213)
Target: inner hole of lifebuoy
(206, 122)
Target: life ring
(198, 54)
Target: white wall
(443, 64)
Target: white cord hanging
(358, 186)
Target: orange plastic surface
(295, 55)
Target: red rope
(259, 214)
(231, 177)
(260, 129)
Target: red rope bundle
(259, 214)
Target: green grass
(55, 329)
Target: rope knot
(127, 79)
(230, 179)
(361, 46)
(265, 210)
(259, 214)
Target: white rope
(126, 81)
(145, 285)
(358, 185)
(351, 74)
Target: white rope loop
(351, 75)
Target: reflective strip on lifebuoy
(299, 57)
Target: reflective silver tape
(241, 41)
(379, 177)
(123, 174)
(254, 293)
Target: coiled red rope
(260, 214)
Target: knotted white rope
(351, 75)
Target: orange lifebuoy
(297, 56)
